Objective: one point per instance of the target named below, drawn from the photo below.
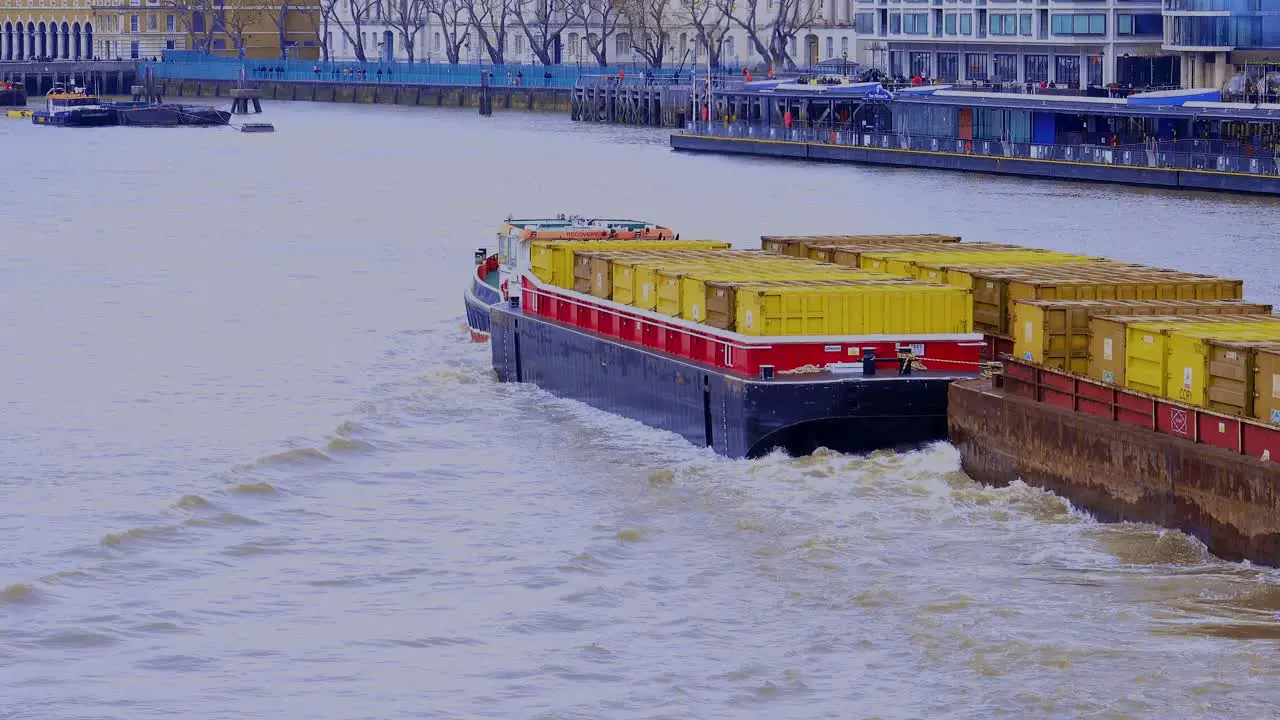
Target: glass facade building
(1222, 24)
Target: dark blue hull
(736, 416)
(1058, 170)
(78, 118)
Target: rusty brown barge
(1139, 394)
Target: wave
(19, 594)
(296, 456)
(256, 488)
(191, 501)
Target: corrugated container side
(1108, 344)
(1229, 376)
(1266, 396)
(873, 308)
(695, 303)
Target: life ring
(968, 147)
(504, 288)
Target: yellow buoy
(19, 114)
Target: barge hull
(1230, 502)
(736, 416)
(1057, 170)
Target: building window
(133, 24)
(966, 24)
(1139, 24)
(1004, 67)
(151, 23)
(168, 23)
(623, 45)
(864, 23)
(975, 66)
(1095, 70)
(844, 47)
(915, 23)
(1036, 68)
(133, 50)
(1004, 24)
(1024, 24)
(519, 45)
(895, 23)
(1092, 24)
(949, 66)
(831, 47)
(949, 22)
(920, 62)
(1066, 70)
(168, 45)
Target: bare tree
(196, 18)
(648, 23)
(542, 22)
(599, 21)
(453, 21)
(408, 18)
(350, 23)
(791, 17)
(749, 15)
(237, 18)
(490, 18)
(318, 21)
(710, 23)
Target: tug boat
(73, 108)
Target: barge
(743, 352)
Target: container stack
(754, 292)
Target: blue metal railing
(186, 65)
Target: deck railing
(1180, 155)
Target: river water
(251, 467)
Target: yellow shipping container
(1056, 332)
(1156, 364)
(995, 289)
(1213, 367)
(872, 308)
(644, 286)
(795, 244)
(552, 260)
(1109, 339)
(1266, 386)
(683, 291)
(904, 264)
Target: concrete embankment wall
(504, 98)
(1118, 472)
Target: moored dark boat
(147, 114)
(12, 96)
(202, 115)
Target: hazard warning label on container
(1186, 378)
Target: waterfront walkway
(193, 66)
